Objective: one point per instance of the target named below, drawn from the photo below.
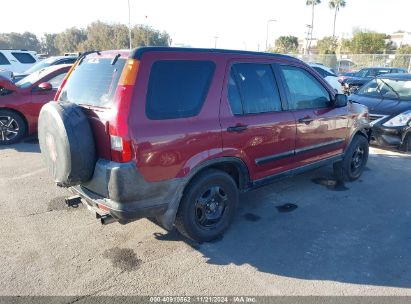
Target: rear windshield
(93, 82)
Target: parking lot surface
(305, 235)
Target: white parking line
(27, 174)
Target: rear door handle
(238, 128)
(307, 120)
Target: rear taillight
(121, 147)
(63, 83)
(121, 150)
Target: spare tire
(66, 143)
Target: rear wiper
(392, 89)
(113, 62)
(83, 55)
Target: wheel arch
(363, 131)
(233, 166)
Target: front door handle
(237, 128)
(306, 120)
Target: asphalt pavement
(306, 235)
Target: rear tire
(354, 161)
(208, 206)
(12, 127)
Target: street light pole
(215, 41)
(129, 24)
(146, 32)
(266, 37)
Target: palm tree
(312, 3)
(335, 5)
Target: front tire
(208, 206)
(12, 127)
(354, 161)
(406, 146)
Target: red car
(178, 134)
(20, 103)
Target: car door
(255, 126)
(321, 127)
(39, 97)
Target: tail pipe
(107, 219)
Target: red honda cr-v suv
(177, 133)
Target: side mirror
(340, 100)
(45, 86)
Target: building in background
(400, 38)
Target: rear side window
(25, 58)
(3, 59)
(178, 88)
(257, 87)
(93, 82)
(234, 95)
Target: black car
(388, 98)
(55, 60)
(351, 84)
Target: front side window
(57, 80)
(255, 86)
(380, 72)
(371, 89)
(305, 92)
(387, 88)
(31, 79)
(321, 72)
(363, 73)
(178, 88)
(3, 59)
(24, 58)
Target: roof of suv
(138, 53)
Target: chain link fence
(355, 62)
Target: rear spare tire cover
(66, 143)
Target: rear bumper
(120, 190)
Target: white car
(17, 61)
(329, 75)
(6, 74)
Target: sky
(238, 24)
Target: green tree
(286, 45)
(103, 36)
(403, 57)
(327, 45)
(147, 36)
(48, 44)
(312, 3)
(365, 43)
(27, 41)
(70, 40)
(97, 36)
(336, 5)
